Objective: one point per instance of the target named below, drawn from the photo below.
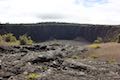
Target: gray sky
(75, 11)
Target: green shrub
(118, 38)
(94, 56)
(98, 40)
(75, 57)
(111, 61)
(33, 76)
(94, 46)
(25, 40)
(44, 68)
(9, 37)
(0, 38)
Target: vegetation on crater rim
(10, 40)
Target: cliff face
(64, 31)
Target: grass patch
(45, 68)
(10, 40)
(98, 40)
(9, 37)
(75, 57)
(25, 40)
(111, 61)
(13, 43)
(94, 46)
(0, 38)
(33, 76)
(94, 56)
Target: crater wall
(63, 31)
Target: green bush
(118, 38)
(94, 46)
(33, 76)
(25, 40)
(98, 40)
(9, 37)
(0, 38)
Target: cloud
(78, 11)
(89, 3)
(51, 16)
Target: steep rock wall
(64, 31)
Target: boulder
(77, 65)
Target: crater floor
(54, 60)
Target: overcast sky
(75, 11)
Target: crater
(62, 31)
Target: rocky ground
(54, 60)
